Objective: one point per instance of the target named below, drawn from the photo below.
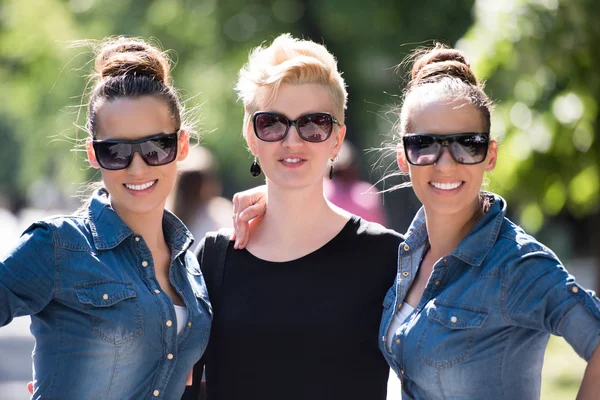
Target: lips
(140, 187)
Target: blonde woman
(297, 311)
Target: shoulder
(517, 253)
(518, 243)
(371, 234)
(373, 229)
(64, 230)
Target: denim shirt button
(189, 323)
(437, 283)
(405, 273)
(406, 247)
(170, 356)
(169, 322)
(137, 238)
(383, 339)
(575, 289)
(144, 264)
(156, 291)
(156, 393)
(105, 296)
(397, 341)
(453, 319)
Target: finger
(190, 378)
(236, 207)
(30, 387)
(256, 210)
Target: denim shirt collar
(109, 230)
(474, 247)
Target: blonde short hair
(293, 61)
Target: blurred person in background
(345, 189)
(197, 199)
(118, 304)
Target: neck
(291, 210)
(148, 225)
(448, 230)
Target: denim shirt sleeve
(542, 295)
(27, 274)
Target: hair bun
(440, 61)
(127, 56)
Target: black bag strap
(212, 263)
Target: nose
(137, 164)
(292, 138)
(445, 160)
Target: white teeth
(140, 187)
(292, 160)
(445, 186)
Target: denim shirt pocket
(113, 308)
(449, 333)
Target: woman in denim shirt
(118, 305)
(475, 298)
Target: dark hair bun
(129, 56)
(433, 64)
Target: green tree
(541, 58)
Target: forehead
(296, 100)
(133, 118)
(445, 116)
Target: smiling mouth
(143, 186)
(446, 186)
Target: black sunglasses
(465, 148)
(314, 127)
(155, 150)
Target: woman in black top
(298, 310)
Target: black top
(307, 328)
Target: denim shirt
(103, 327)
(481, 327)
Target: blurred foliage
(539, 57)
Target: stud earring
(255, 168)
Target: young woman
(118, 304)
(298, 310)
(475, 298)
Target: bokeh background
(540, 59)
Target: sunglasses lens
(159, 151)
(315, 127)
(421, 149)
(113, 155)
(270, 127)
(469, 149)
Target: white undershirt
(181, 312)
(399, 318)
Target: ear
(339, 140)
(492, 156)
(251, 138)
(401, 158)
(91, 153)
(183, 145)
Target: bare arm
(590, 386)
